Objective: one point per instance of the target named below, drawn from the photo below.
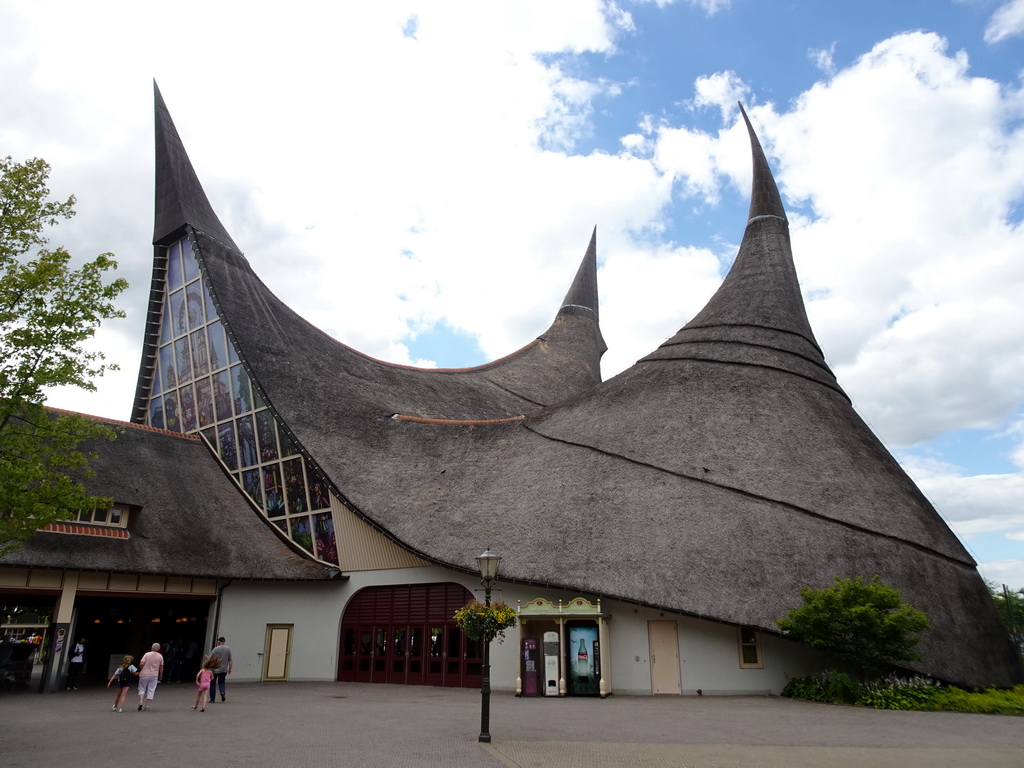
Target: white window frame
(104, 516)
(747, 637)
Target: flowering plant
(486, 622)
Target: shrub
(831, 687)
(864, 625)
(897, 693)
(915, 693)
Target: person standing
(150, 673)
(75, 667)
(223, 652)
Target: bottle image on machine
(582, 660)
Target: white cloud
(722, 90)
(909, 169)
(1007, 21)
(824, 59)
(1009, 572)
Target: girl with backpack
(205, 678)
(123, 675)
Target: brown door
(436, 645)
(416, 656)
(381, 638)
(406, 634)
(364, 654)
(347, 666)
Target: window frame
(104, 516)
(754, 642)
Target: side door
(663, 639)
(278, 652)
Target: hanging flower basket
(485, 622)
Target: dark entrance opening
(115, 626)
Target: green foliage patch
(49, 313)
(864, 625)
(900, 693)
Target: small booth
(563, 649)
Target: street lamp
(488, 563)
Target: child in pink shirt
(204, 678)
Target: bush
(915, 693)
(898, 693)
(864, 625)
(831, 687)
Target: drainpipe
(216, 613)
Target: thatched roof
(188, 517)
(714, 477)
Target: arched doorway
(406, 635)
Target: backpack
(125, 676)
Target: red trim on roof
(87, 530)
(455, 422)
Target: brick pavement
(349, 724)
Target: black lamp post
(488, 563)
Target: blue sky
(421, 180)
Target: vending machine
(584, 660)
(551, 655)
(531, 666)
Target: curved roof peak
(180, 198)
(764, 194)
(582, 294)
(757, 316)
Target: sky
(421, 180)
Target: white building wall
(708, 651)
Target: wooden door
(279, 647)
(663, 638)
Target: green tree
(1011, 610)
(48, 312)
(865, 625)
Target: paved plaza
(352, 724)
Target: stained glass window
(174, 280)
(226, 445)
(199, 384)
(156, 412)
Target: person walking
(204, 678)
(152, 669)
(123, 675)
(222, 652)
(75, 667)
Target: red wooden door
(406, 634)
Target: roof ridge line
(652, 360)
(759, 497)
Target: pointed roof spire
(757, 315)
(180, 198)
(582, 293)
(764, 194)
